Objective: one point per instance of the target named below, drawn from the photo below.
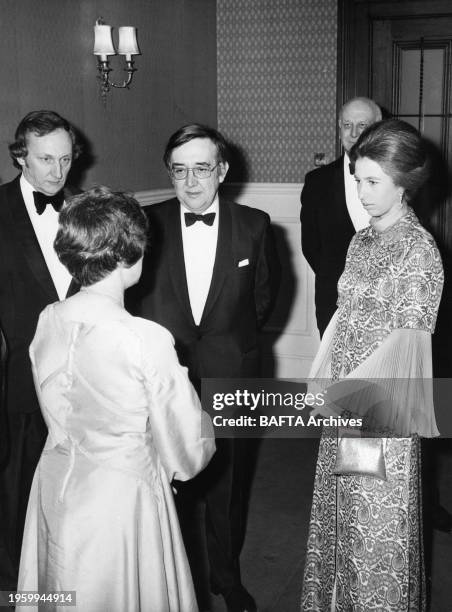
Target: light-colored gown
(123, 421)
(364, 550)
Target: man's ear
(224, 167)
(20, 161)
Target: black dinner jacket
(240, 299)
(26, 287)
(326, 231)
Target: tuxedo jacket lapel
(340, 201)
(339, 186)
(25, 236)
(73, 288)
(176, 261)
(223, 256)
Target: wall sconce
(103, 47)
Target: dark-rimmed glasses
(179, 173)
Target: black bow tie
(41, 201)
(191, 218)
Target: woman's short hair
(98, 230)
(400, 151)
(192, 131)
(41, 123)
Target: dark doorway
(400, 54)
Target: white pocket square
(244, 262)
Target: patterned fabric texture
(390, 282)
(366, 534)
(364, 549)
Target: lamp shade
(103, 43)
(128, 41)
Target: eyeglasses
(200, 172)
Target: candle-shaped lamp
(128, 42)
(103, 43)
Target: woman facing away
(123, 421)
(364, 549)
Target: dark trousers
(26, 435)
(224, 486)
(226, 509)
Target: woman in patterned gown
(123, 421)
(364, 550)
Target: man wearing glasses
(211, 277)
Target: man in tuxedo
(213, 274)
(331, 212)
(31, 276)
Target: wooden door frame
(353, 45)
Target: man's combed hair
(41, 123)
(98, 230)
(399, 149)
(192, 131)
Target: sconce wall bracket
(104, 76)
(103, 48)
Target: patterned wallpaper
(277, 84)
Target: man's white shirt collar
(45, 227)
(200, 245)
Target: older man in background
(331, 212)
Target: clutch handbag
(360, 457)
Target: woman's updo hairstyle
(98, 230)
(399, 149)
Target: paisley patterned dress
(364, 550)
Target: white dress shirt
(200, 246)
(45, 227)
(360, 218)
